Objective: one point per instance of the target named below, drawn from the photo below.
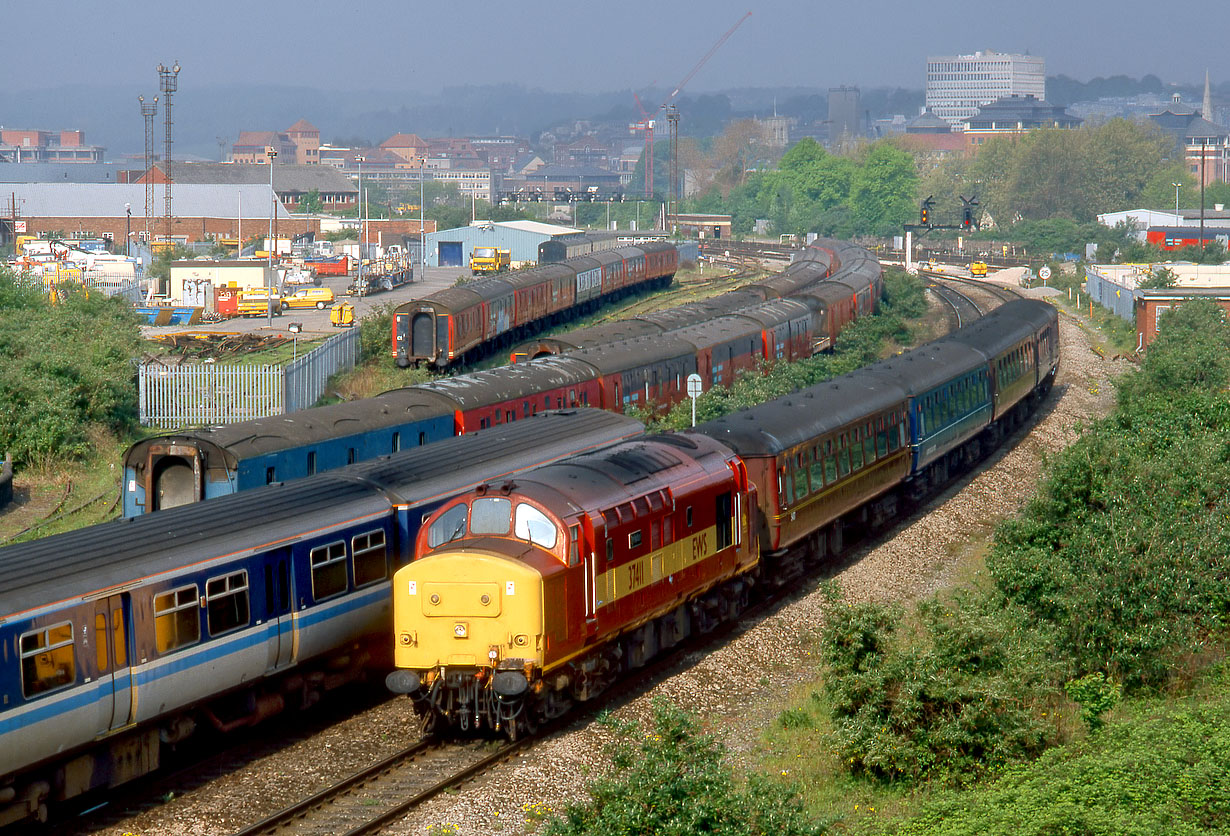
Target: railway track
(385, 791)
(955, 292)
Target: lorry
(490, 260)
(256, 302)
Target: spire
(1208, 98)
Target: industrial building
(452, 247)
(957, 85)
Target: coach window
(843, 457)
(817, 469)
(349, 455)
(396, 442)
(882, 442)
(490, 515)
(370, 558)
(856, 450)
(311, 463)
(269, 476)
(448, 526)
(869, 445)
(176, 623)
(226, 602)
(535, 526)
(328, 570)
(47, 660)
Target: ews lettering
(700, 546)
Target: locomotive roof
(121, 552)
(280, 432)
(621, 472)
(770, 428)
(508, 382)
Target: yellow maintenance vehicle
(978, 268)
(490, 260)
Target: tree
(883, 190)
(311, 203)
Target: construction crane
(646, 123)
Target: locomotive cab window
(47, 660)
(490, 515)
(328, 570)
(370, 558)
(535, 526)
(448, 526)
(226, 602)
(176, 623)
(574, 545)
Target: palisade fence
(207, 394)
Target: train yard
(925, 553)
(372, 799)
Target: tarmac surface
(316, 322)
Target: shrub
(63, 368)
(675, 780)
(967, 695)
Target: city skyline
(384, 45)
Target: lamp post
(359, 158)
(128, 230)
(422, 239)
(271, 153)
(294, 328)
(1177, 186)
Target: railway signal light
(925, 216)
(967, 217)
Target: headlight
(460, 630)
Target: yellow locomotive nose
(467, 609)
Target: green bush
(1165, 772)
(674, 781)
(966, 695)
(376, 335)
(64, 367)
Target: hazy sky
(559, 46)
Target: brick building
(25, 146)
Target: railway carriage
(125, 636)
(528, 595)
(459, 324)
(180, 468)
(816, 455)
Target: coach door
(175, 476)
(280, 627)
(111, 653)
(422, 335)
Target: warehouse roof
(106, 200)
(538, 227)
(60, 172)
(286, 178)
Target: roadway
(315, 322)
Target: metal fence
(1119, 298)
(208, 394)
(307, 376)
